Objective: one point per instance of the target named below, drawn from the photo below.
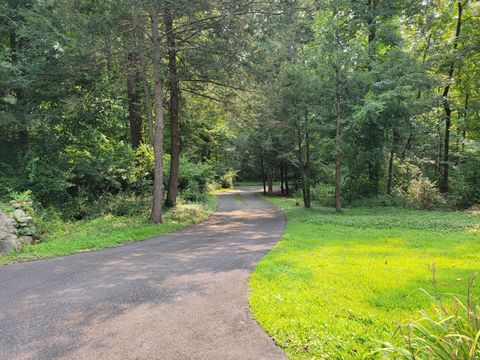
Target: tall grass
(450, 331)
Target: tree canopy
(341, 101)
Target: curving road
(178, 296)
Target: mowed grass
(336, 284)
(108, 231)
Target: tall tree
(134, 81)
(174, 107)
(157, 207)
(446, 102)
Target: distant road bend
(178, 296)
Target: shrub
(404, 172)
(466, 183)
(104, 166)
(142, 175)
(124, 204)
(9, 181)
(378, 201)
(323, 194)
(451, 331)
(187, 212)
(193, 180)
(119, 204)
(227, 179)
(193, 193)
(422, 193)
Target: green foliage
(120, 204)
(466, 181)
(404, 172)
(89, 172)
(194, 179)
(62, 238)
(450, 331)
(336, 284)
(373, 68)
(379, 201)
(323, 194)
(227, 179)
(23, 197)
(9, 181)
(423, 194)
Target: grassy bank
(337, 283)
(65, 238)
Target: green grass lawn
(336, 284)
(108, 231)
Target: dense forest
(105, 105)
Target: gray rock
(27, 230)
(19, 214)
(6, 224)
(9, 242)
(26, 239)
(25, 221)
(15, 203)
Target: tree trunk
(372, 32)
(174, 111)
(373, 168)
(156, 214)
(375, 177)
(438, 159)
(270, 182)
(390, 172)
(307, 200)
(264, 177)
(446, 106)
(338, 181)
(133, 73)
(301, 168)
(143, 70)
(465, 120)
(148, 100)
(446, 149)
(338, 156)
(304, 163)
(395, 141)
(287, 190)
(282, 187)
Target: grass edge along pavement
(336, 285)
(66, 238)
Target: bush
(423, 194)
(93, 178)
(124, 204)
(193, 180)
(379, 201)
(466, 183)
(119, 204)
(451, 332)
(9, 181)
(194, 194)
(228, 179)
(404, 172)
(142, 174)
(323, 194)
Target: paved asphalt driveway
(178, 296)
